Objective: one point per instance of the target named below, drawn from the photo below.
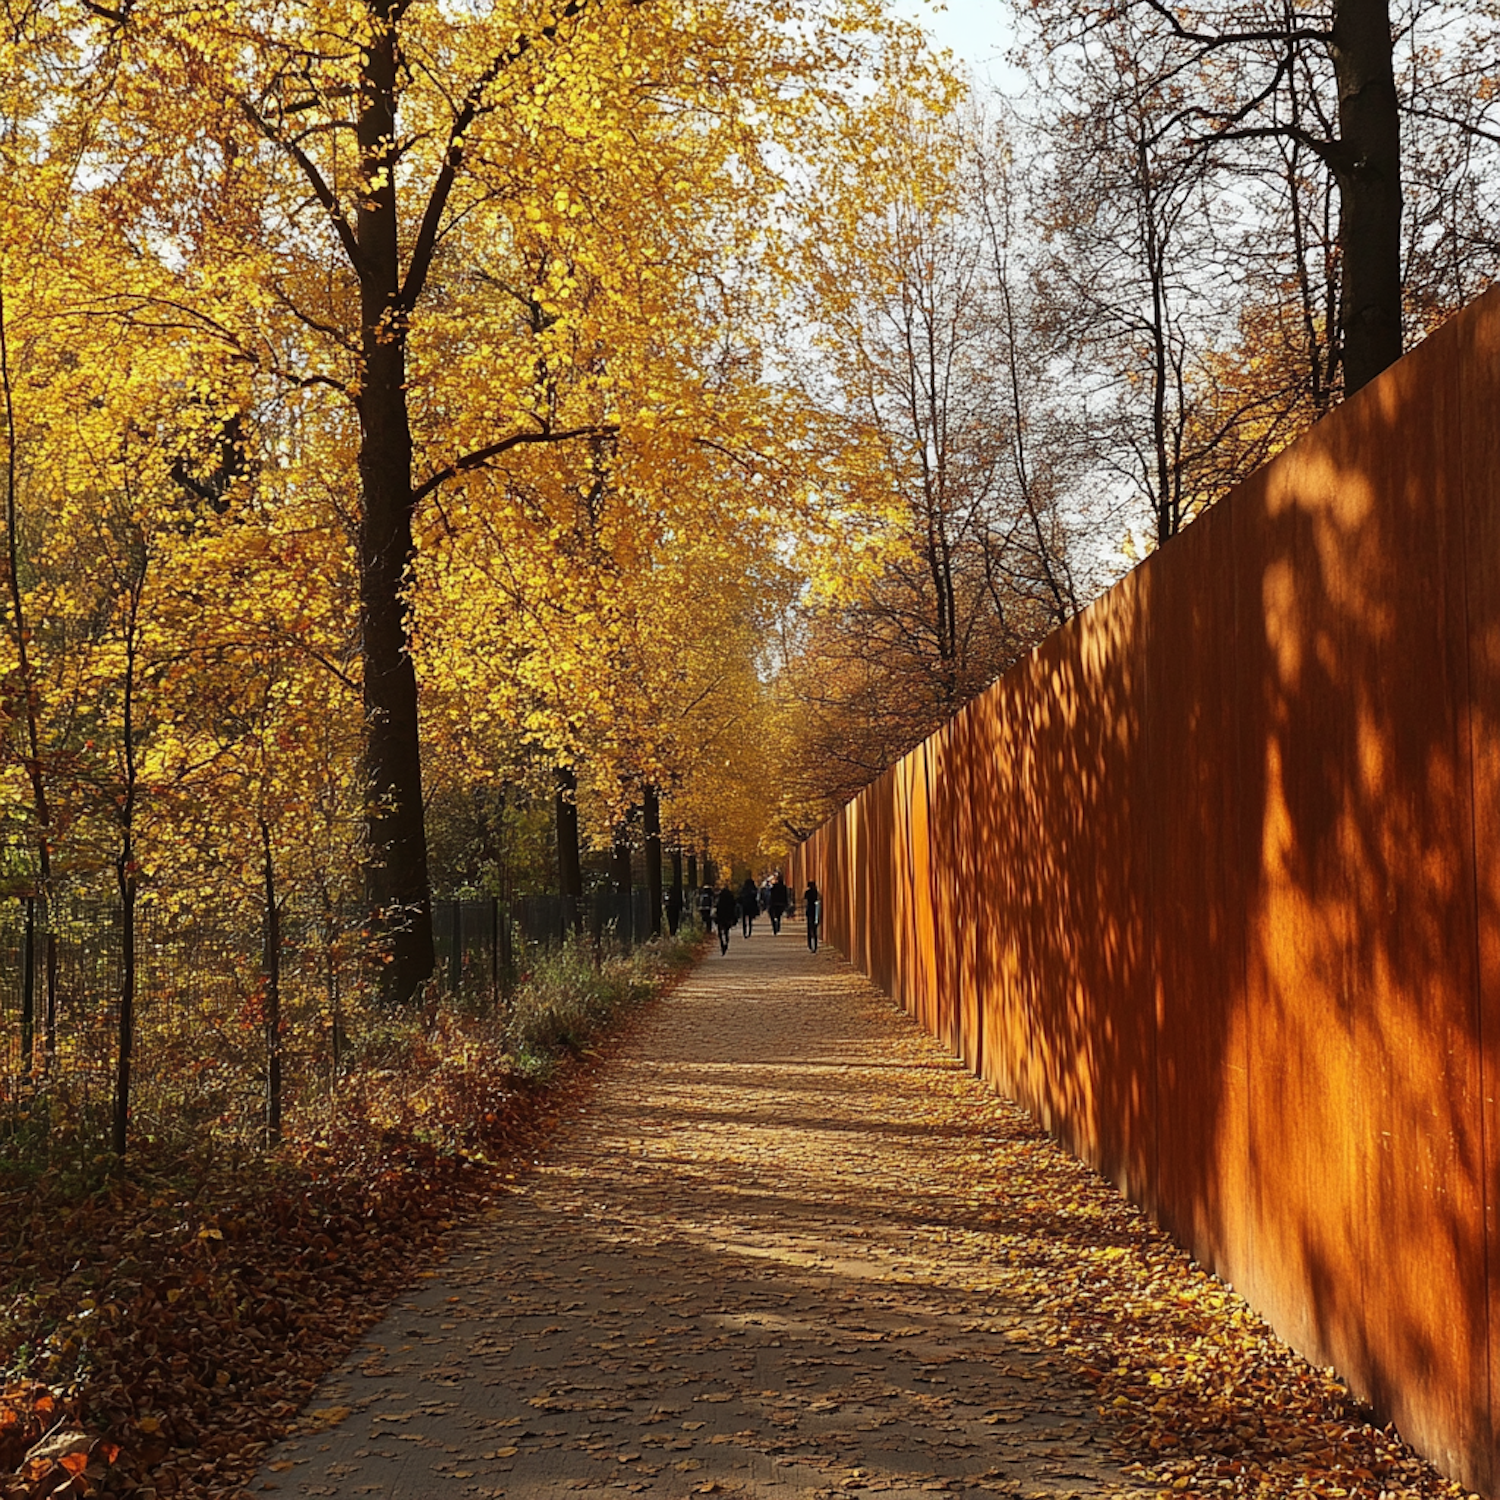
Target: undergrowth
(161, 1324)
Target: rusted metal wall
(1211, 883)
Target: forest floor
(164, 1321)
(788, 1247)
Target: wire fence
(201, 1055)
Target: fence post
(508, 950)
(652, 820)
(495, 951)
(28, 990)
(125, 1040)
(335, 1012)
(51, 1000)
(456, 957)
(272, 938)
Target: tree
(1244, 80)
(1144, 272)
(933, 372)
(337, 178)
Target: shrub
(573, 994)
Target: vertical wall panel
(1421, 1339)
(1198, 899)
(1479, 440)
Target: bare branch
(324, 194)
(1466, 126)
(1212, 41)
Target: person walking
(749, 906)
(706, 907)
(776, 904)
(812, 906)
(724, 917)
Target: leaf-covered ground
(172, 1322)
(790, 1245)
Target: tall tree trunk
(396, 879)
(32, 699)
(127, 878)
(1368, 166)
(653, 857)
(569, 860)
(272, 962)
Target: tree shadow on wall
(1202, 889)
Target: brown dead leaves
(44, 1449)
(177, 1324)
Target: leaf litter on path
(182, 1314)
(790, 1245)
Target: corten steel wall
(1211, 882)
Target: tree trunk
(396, 881)
(692, 871)
(32, 698)
(127, 874)
(1368, 167)
(272, 962)
(653, 857)
(569, 861)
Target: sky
(978, 32)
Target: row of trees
(1095, 307)
(658, 411)
(390, 428)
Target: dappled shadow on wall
(1197, 882)
(1365, 583)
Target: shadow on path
(788, 1247)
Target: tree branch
(481, 456)
(1467, 127)
(321, 190)
(1213, 41)
(473, 102)
(1332, 153)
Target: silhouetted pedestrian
(724, 917)
(749, 906)
(706, 907)
(812, 906)
(776, 904)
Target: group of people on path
(773, 897)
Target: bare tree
(932, 358)
(1392, 117)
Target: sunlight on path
(753, 1263)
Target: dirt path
(788, 1247)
